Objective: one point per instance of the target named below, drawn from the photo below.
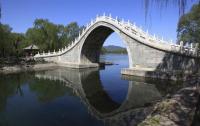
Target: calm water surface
(71, 97)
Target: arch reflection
(88, 86)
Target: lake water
(85, 97)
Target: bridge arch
(91, 46)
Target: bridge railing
(132, 30)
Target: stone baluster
(82, 31)
(79, 35)
(110, 16)
(171, 41)
(191, 45)
(122, 21)
(147, 32)
(162, 40)
(134, 25)
(104, 15)
(154, 36)
(128, 22)
(181, 47)
(196, 49)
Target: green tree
(73, 30)
(49, 36)
(44, 34)
(62, 37)
(8, 39)
(189, 26)
(18, 40)
(5, 39)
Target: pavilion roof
(31, 47)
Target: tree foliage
(8, 39)
(105, 50)
(5, 40)
(164, 3)
(49, 36)
(189, 26)
(45, 34)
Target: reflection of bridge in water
(87, 85)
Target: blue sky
(20, 14)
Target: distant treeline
(45, 34)
(105, 50)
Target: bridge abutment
(157, 74)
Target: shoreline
(9, 69)
(27, 67)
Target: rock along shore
(178, 110)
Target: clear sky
(20, 14)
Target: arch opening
(91, 48)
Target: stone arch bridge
(148, 55)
